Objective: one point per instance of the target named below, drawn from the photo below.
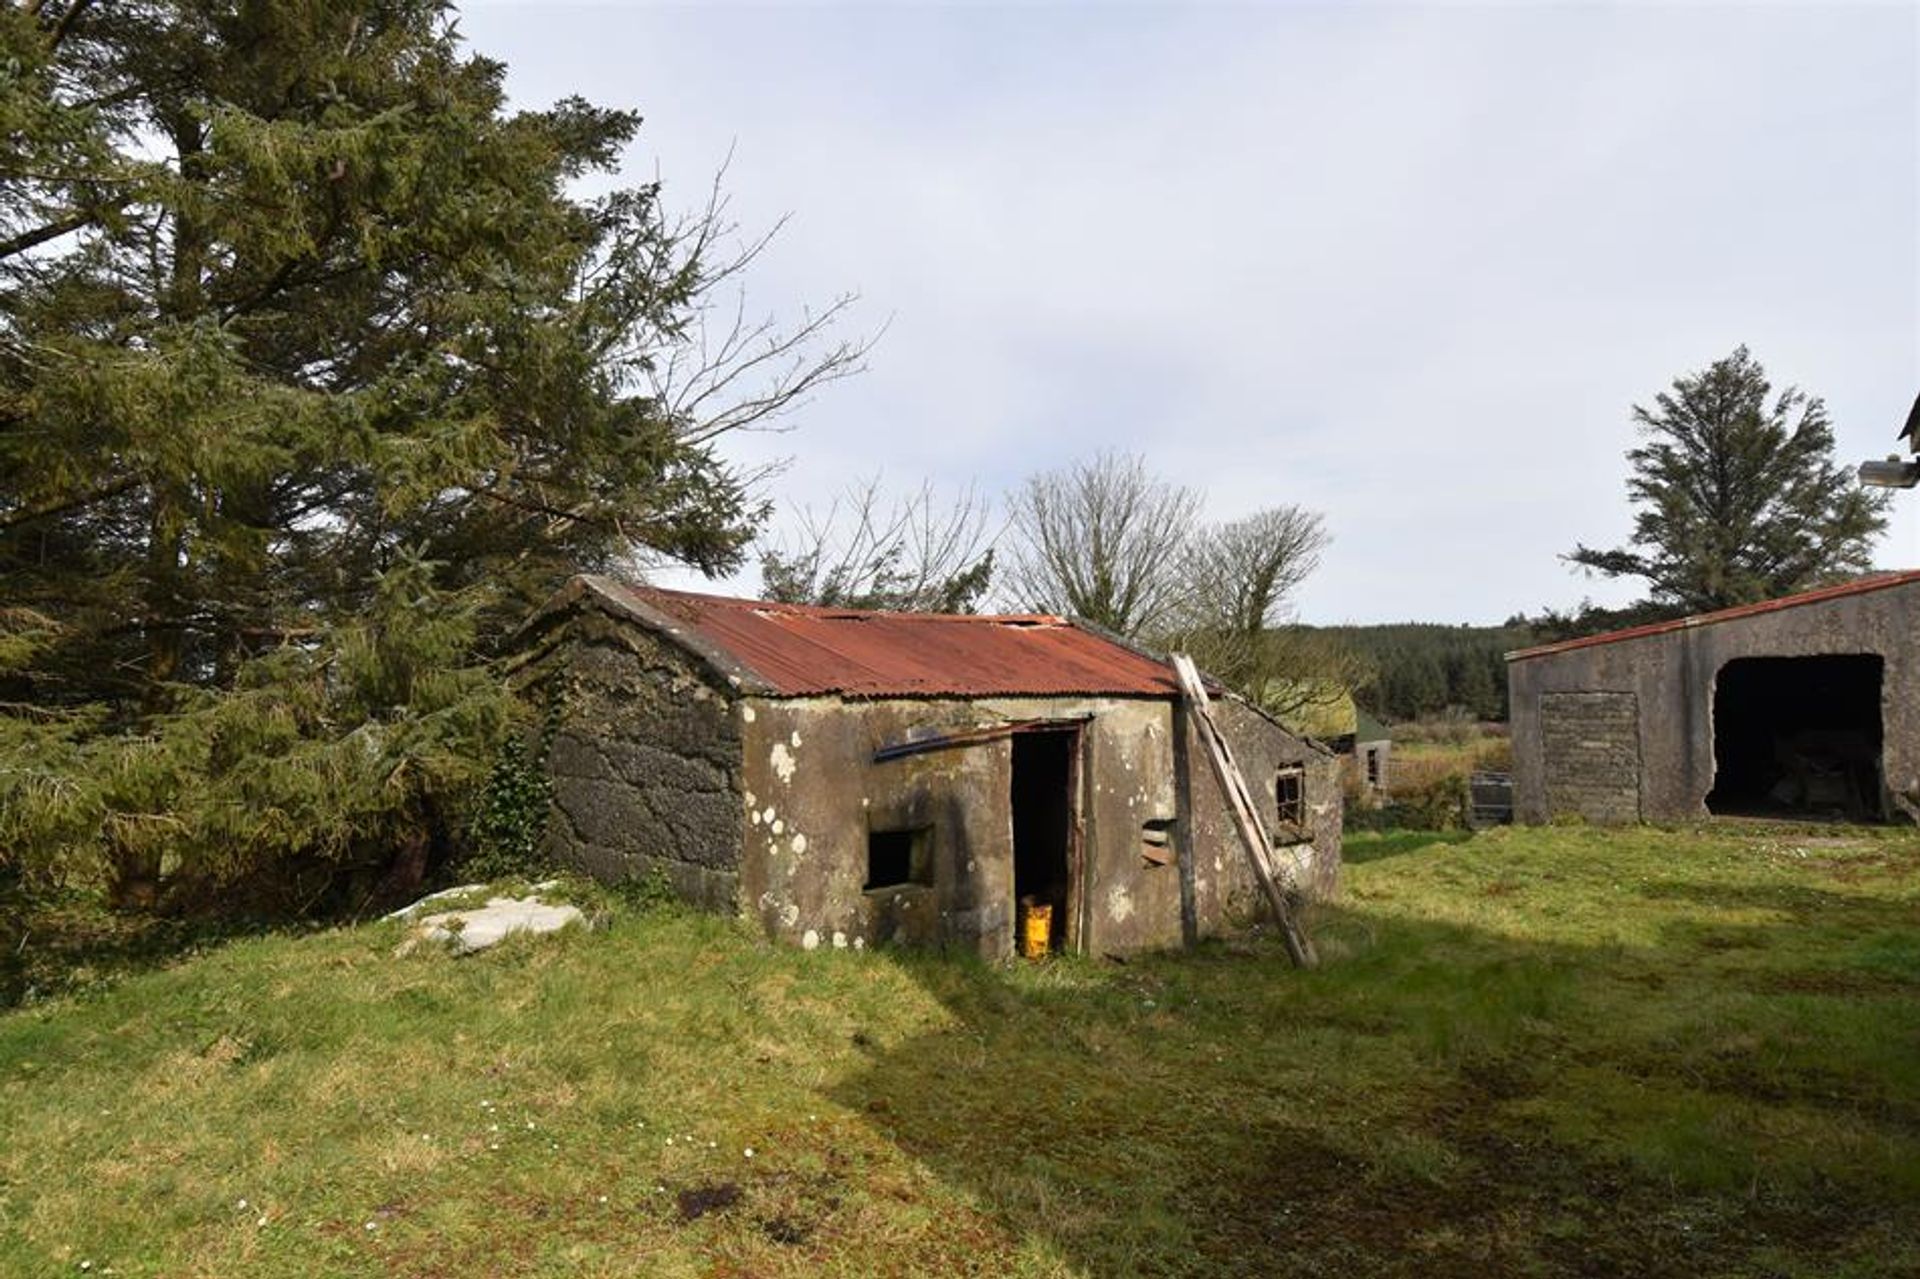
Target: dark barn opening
(1041, 796)
(1798, 736)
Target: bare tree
(1241, 576)
(1104, 540)
(721, 369)
(916, 554)
(1293, 672)
(1236, 613)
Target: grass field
(1539, 1052)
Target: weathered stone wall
(1671, 676)
(645, 761)
(1224, 885)
(812, 791)
(1591, 745)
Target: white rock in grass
(466, 931)
(407, 912)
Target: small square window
(1290, 797)
(899, 857)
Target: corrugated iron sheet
(801, 651)
(1862, 587)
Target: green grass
(1538, 1052)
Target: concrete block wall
(1592, 755)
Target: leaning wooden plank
(1246, 814)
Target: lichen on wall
(814, 792)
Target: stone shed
(851, 779)
(1806, 706)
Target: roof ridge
(788, 650)
(1878, 581)
(829, 611)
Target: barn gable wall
(1262, 748)
(1671, 675)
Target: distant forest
(1423, 668)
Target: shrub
(323, 765)
(1494, 755)
(1439, 803)
(510, 822)
(1424, 792)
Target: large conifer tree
(314, 373)
(1738, 499)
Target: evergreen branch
(578, 516)
(64, 25)
(29, 240)
(70, 504)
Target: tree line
(1421, 669)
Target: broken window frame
(1290, 810)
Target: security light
(1894, 473)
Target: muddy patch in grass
(696, 1202)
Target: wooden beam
(975, 736)
(1246, 814)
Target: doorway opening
(1798, 737)
(1045, 852)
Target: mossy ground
(1556, 1051)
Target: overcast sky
(1406, 265)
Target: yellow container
(1036, 929)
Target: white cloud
(1409, 266)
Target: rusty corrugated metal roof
(794, 650)
(1863, 586)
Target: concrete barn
(851, 778)
(1807, 706)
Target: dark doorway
(1798, 737)
(1041, 796)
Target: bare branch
(1102, 540)
(29, 240)
(915, 554)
